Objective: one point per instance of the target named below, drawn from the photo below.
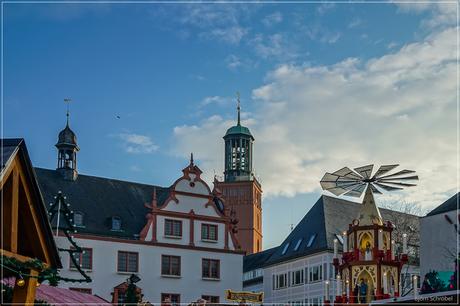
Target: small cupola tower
(67, 152)
(238, 152)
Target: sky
(322, 86)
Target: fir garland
(21, 270)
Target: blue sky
(308, 74)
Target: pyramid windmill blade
(374, 189)
(332, 180)
(399, 173)
(387, 187)
(397, 183)
(337, 190)
(365, 171)
(406, 178)
(347, 173)
(328, 181)
(350, 183)
(357, 191)
(384, 169)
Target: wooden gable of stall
(26, 231)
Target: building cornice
(158, 244)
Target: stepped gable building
(170, 237)
(240, 188)
(296, 271)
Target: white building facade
(185, 250)
(300, 281)
(439, 237)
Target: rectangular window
(128, 261)
(211, 298)
(170, 298)
(84, 259)
(316, 273)
(210, 268)
(209, 232)
(281, 281)
(297, 277)
(173, 228)
(170, 265)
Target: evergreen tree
(432, 283)
(64, 222)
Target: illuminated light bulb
(21, 282)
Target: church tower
(240, 188)
(67, 152)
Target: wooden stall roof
(15, 150)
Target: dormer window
(286, 246)
(78, 219)
(312, 239)
(116, 223)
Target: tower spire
(191, 159)
(67, 100)
(238, 106)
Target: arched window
(116, 223)
(78, 217)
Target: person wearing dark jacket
(362, 291)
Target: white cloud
(355, 23)
(324, 8)
(311, 119)
(330, 38)
(215, 100)
(136, 143)
(233, 62)
(320, 33)
(441, 14)
(392, 45)
(231, 35)
(274, 46)
(214, 21)
(272, 19)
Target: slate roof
(99, 199)
(257, 260)
(328, 216)
(449, 205)
(10, 148)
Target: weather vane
(67, 101)
(353, 183)
(238, 105)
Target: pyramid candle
(336, 242)
(404, 243)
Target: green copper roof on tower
(238, 129)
